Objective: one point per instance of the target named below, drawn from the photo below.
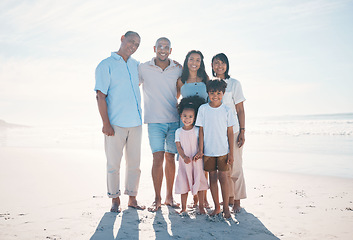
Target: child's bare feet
(202, 211)
(207, 205)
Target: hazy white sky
(292, 57)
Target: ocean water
(312, 144)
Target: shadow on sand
(242, 226)
(128, 227)
(172, 226)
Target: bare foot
(156, 205)
(115, 205)
(202, 211)
(236, 206)
(216, 211)
(182, 211)
(192, 205)
(207, 205)
(172, 203)
(226, 214)
(133, 203)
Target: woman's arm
(179, 85)
(230, 135)
(241, 118)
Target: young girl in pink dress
(190, 176)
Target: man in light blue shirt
(119, 104)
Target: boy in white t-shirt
(216, 140)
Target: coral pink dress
(190, 176)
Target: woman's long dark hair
(222, 57)
(201, 73)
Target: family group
(201, 120)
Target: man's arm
(230, 135)
(103, 110)
(241, 118)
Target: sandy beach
(59, 193)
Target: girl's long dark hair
(200, 73)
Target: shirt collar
(116, 56)
(171, 62)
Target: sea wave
(302, 127)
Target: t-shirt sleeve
(140, 73)
(230, 118)
(177, 135)
(102, 78)
(237, 92)
(200, 117)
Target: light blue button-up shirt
(120, 82)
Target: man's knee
(158, 159)
(170, 157)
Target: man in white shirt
(158, 78)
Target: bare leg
(214, 192)
(169, 177)
(115, 205)
(206, 204)
(196, 200)
(223, 180)
(157, 177)
(201, 202)
(184, 198)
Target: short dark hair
(165, 39)
(193, 102)
(216, 85)
(222, 57)
(129, 33)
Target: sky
(291, 57)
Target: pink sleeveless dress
(190, 176)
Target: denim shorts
(162, 137)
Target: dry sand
(60, 194)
